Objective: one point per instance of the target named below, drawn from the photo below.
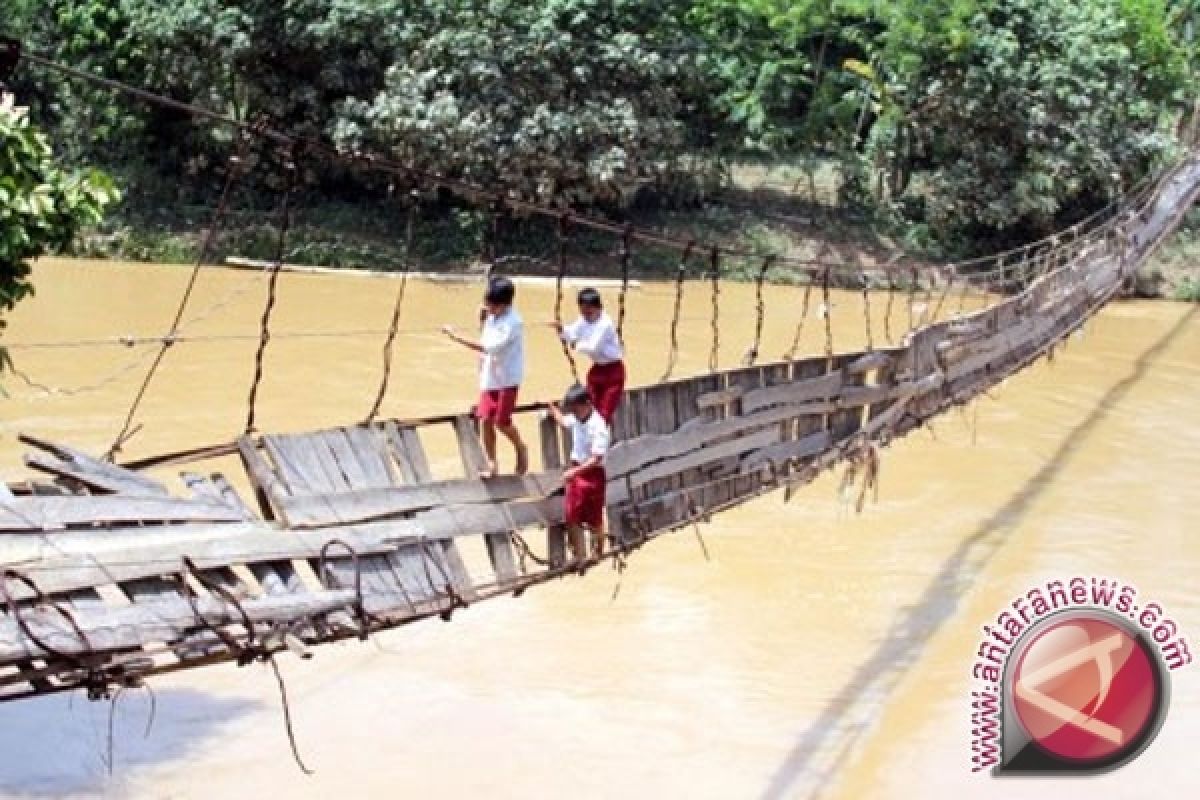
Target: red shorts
(585, 498)
(496, 405)
(606, 385)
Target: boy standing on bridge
(501, 369)
(594, 335)
(585, 479)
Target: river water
(819, 653)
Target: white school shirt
(502, 340)
(597, 340)
(589, 437)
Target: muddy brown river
(819, 653)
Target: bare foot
(522, 460)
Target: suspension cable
(827, 312)
(626, 254)
(394, 328)
(564, 222)
(790, 355)
(237, 162)
(714, 273)
(760, 310)
(285, 216)
(680, 273)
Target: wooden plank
(806, 447)
(287, 471)
(256, 545)
(470, 449)
(278, 577)
(92, 472)
(307, 511)
(500, 552)
(216, 489)
(168, 620)
(406, 449)
(372, 456)
(36, 513)
(337, 445)
(633, 454)
(719, 398)
(311, 452)
(801, 391)
(697, 458)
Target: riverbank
(762, 209)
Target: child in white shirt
(594, 335)
(584, 479)
(501, 370)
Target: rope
(887, 313)
(674, 351)
(790, 355)
(827, 312)
(866, 295)
(287, 717)
(912, 299)
(394, 327)
(760, 311)
(564, 222)
(714, 274)
(237, 160)
(272, 287)
(626, 254)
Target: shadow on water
(57, 746)
(867, 688)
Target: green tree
(42, 207)
(564, 100)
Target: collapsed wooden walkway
(108, 578)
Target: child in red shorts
(594, 335)
(500, 371)
(584, 479)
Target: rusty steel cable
(912, 299)
(564, 223)
(285, 216)
(887, 312)
(760, 310)
(237, 162)
(673, 353)
(827, 311)
(394, 328)
(626, 255)
(790, 355)
(714, 274)
(866, 298)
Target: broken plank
(90, 472)
(35, 513)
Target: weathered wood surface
(67, 462)
(685, 449)
(39, 513)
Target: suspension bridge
(109, 578)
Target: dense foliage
(41, 206)
(964, 121)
